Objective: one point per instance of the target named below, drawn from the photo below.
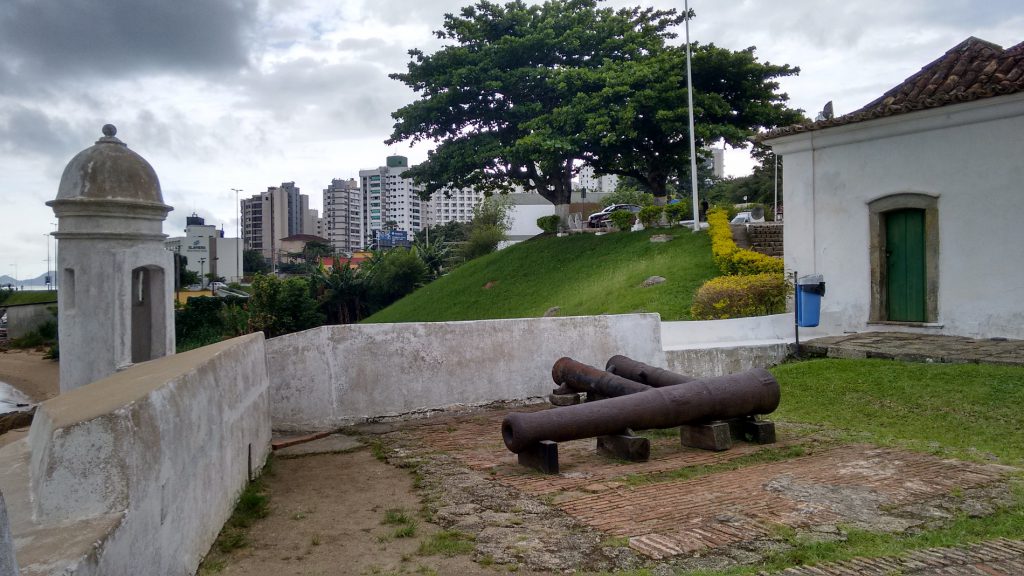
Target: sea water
(10, 398)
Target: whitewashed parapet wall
(147, 463)
(338, 375)
(8, 563)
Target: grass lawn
(30, 297)
(582, 274)
(967, 411)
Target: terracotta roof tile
(972, 70)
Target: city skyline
(250, 94)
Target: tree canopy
(498, 72)
(522, 95)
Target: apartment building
(343, 215)
(389, 200)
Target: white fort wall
(137, 473)
(338, 375)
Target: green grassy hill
(582, 274)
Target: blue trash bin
(809, 290)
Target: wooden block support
(625, 447)
(749, 429)
(565, 399)
(542, 456)
(711, 436)
(760, 431)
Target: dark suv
(599, 219)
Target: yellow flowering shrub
(753, 284)
(739, 296)
(729, 258)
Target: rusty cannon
(579, 377)
(644, 373)
(701, 407)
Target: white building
(390, 200)
(452, 206)
(593, 183)
(207, 250)
(343, 215)
(910, 207)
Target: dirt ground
(327, 517)
(27, 370)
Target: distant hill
(582, 274)
(37, 281)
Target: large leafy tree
(498, 73)
(631, 118)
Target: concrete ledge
(717, 361)
(146, 464)
(339, 375)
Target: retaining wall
(137, 473)
(24, 318)
(338, 375)
(716, 347)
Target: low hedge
(729, 258)
(739, 296)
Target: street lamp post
(56, 260)
(202, 278)
(238, 236)
(49, 282)
(693, 137)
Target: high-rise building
(343, 215)
(279, 212)
(452, 206)
(390, 201)
(591, 182)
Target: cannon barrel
(580, 377)
(752, 392)
(644, 373)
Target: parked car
(745, 218)
(214, 286)
(599, 219)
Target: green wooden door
(905, 266)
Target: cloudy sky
(222, 94)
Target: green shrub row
(753, 284)
(729, 257)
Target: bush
(549, 224)
(740, 296)
(677, 212)
(482, 240)
(651, 215)
(626, 195)
(622, 219)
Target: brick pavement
(854, 485)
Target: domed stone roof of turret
(110, 171)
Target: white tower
(116, 279)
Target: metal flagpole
(775, 210)
(693, 139)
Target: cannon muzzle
(580, 377)
(644, 373)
